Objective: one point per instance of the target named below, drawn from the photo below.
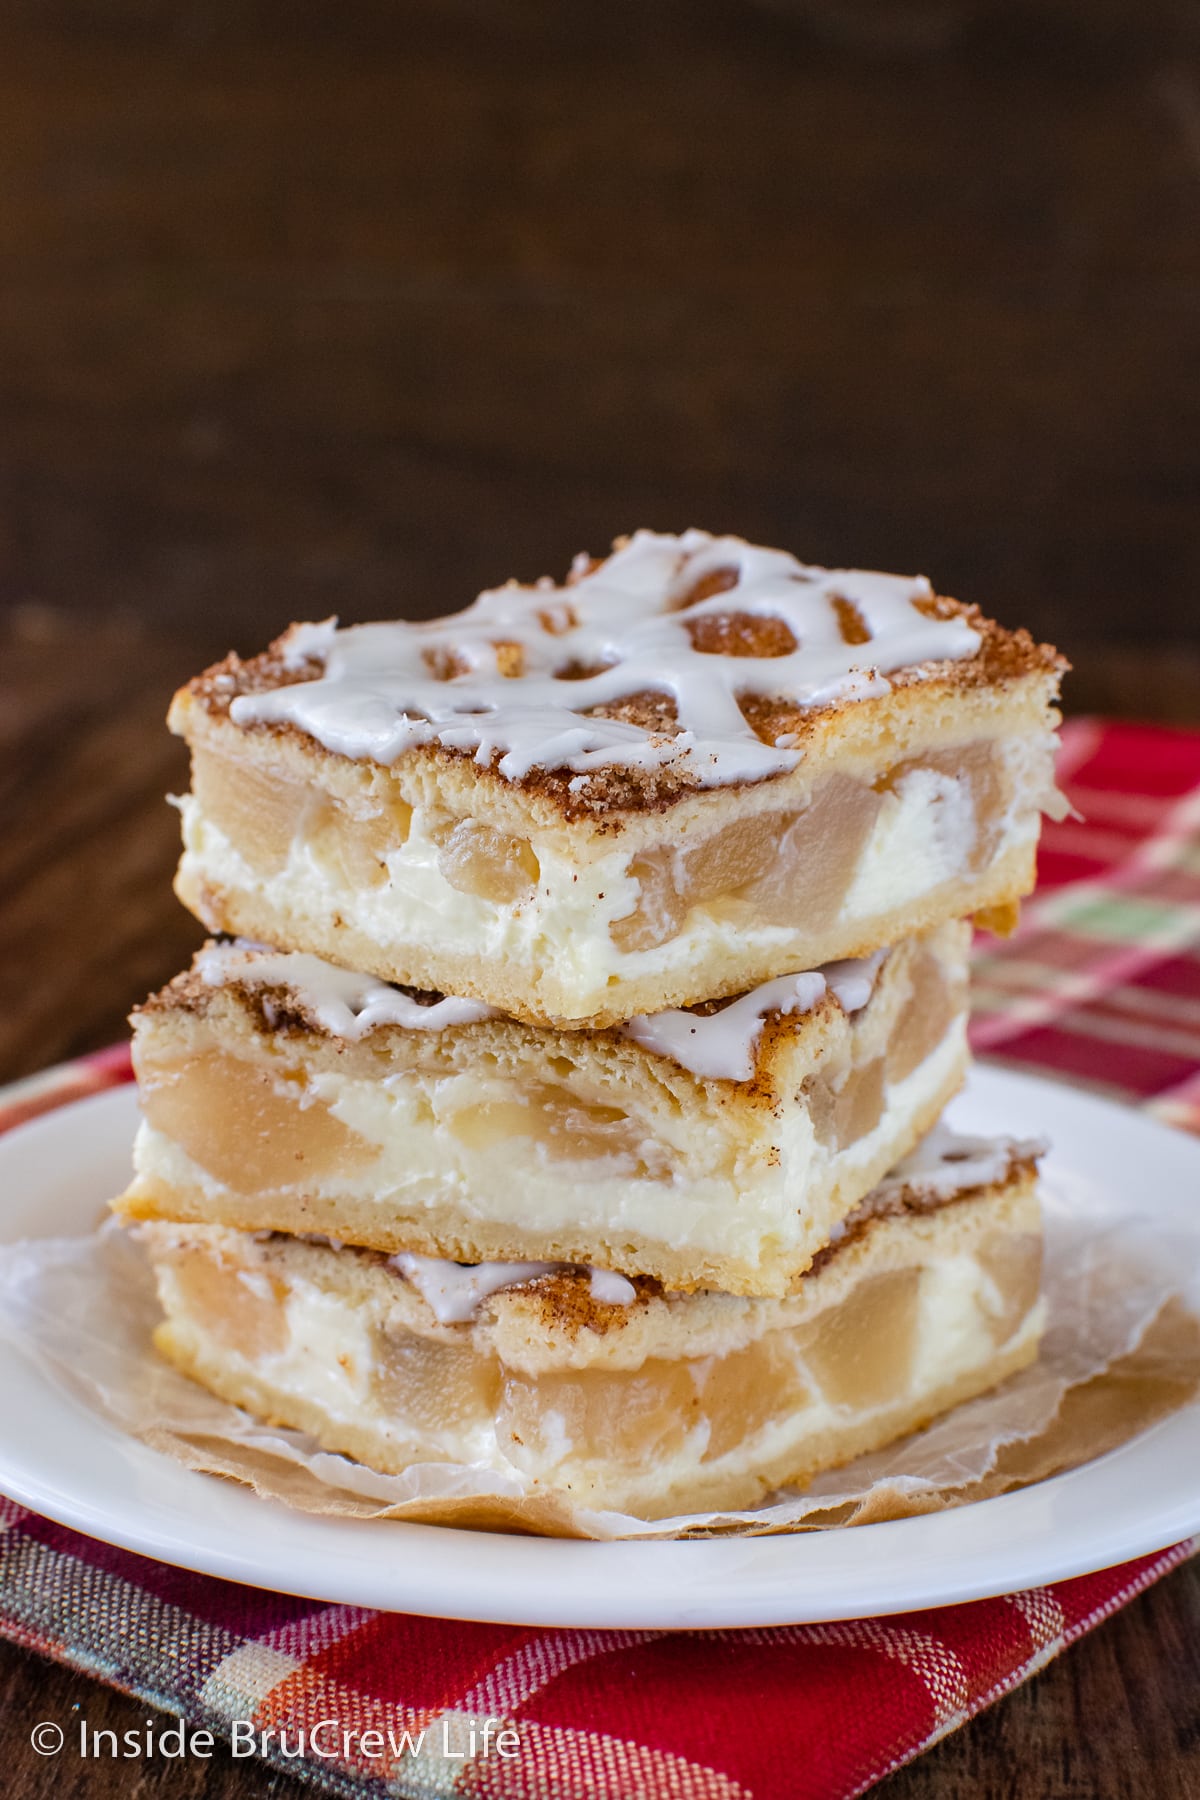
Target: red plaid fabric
(1101, 985)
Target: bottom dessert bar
(616, 1394)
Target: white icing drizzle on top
(381, 691)
(342, 1003)
(946, 1162)
(721, 1045)
(454, 1291)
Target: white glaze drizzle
(379, 695)
(610, 1288)
(946, 1162)
(454, 1291)
(342, 1003)
(721, 1045)
(718, 1046)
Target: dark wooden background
(359, 307)
(311, 308)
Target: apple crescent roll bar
(713, 1147)
(695, 766)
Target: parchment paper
(1122, 1351)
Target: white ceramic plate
(63, 1461)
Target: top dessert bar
(694, 766)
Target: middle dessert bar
(717, 1147)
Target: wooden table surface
(309, 309)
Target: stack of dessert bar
(561, 1096)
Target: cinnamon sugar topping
(706, 623)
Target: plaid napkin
(1102, 986)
